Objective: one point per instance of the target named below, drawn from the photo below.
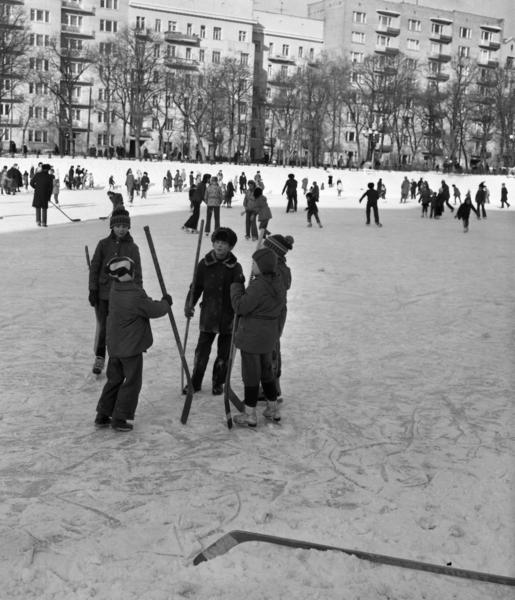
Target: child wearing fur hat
(215, 274)
(259, 307)
(118, 243)
(280, 245)
(128, 336)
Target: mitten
(93, 297)
(189, 311)
(168, 298)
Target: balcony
(14, 2)
(387, 30)
(76, 8)
(10, 26)
(442, 58)
(490, 63)
(442, 38)
(490, 45)
(74, 31)
(281, 58)
(438, 77)
(388, 50)
(5, 120)
(178, 38)
(281, 82)
(187, 64)
(144, 33)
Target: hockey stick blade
(233, 538)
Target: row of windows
(285, 50)
(172, 26)
(416, 25)
(216, 55)
(33, 135)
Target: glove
(168, 298)
(93, 298)
(189, 311)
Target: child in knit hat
(128, 336)
(118, 243)
(280, 244)
(259, 308)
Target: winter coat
(128, 326)
(129, 182)
(259, 307)
(145, 182)
(464, 209)
(213, 283)
(262, 209)
(405, 187)
(480, 196)
(312, 205)
(229, 192)
(290, 187)
(106, 249)
(43, 184)
(15, 176)
(249, 202)
(285, 273)
(56, 186)
(213, 195)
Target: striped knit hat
(121, 268)
(280, 244)
(120, 216)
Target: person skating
(290, 187)
(249, 210)
(43, 184)
(405, 190)
(456, 194)
(339, 187)
(445, 195)
(312, 209)
(463, 212)
(259, 308)
(213, 197)
(128, 336)
(372, 197)
(480, 201)
(196, 195)
(215, 274)
(504, 196)
(263, 212)
(118, 243)
(425, 199)
(243, 182)
(145, 184)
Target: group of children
(123, 312)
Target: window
(359, 17)
(189, 29)
(357, 77)
(172, 25)
(5, 109)
(157, 25)
(202, 31)
(105, 47)
(38, 135)
(356, 57)
(188, 53)
(157, 50)
(39, 16)
(215, 57)
(202, 55)
(112, 4)
(269, 70)
(73, 20)
(412, 44)
(414, 25)
(465, 33)
(301, 51)
(350, 136)
(38, 112)
(286, 49)
(435, 48)
(109, 26)
(244, 59)
(242, 36)
(169, 123)
(383, 41)
(385, 21)
(284, 72)
(271, 48)
(486, 36)
(171, 51)
(358, 37)
(41, 89)
(38, 64)
(311, 53)
(217, 33)
(140, 23)
(436, 28)
(72, 43)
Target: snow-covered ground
(397, 431)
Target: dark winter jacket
(213, 283)
(285, 273)
(43, 184)
(145, 182)
(290, 187)
(128, 326)
(480, 196)
(372, 196)
(106, 249)
(464, 209)
(259, 307)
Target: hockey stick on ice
(233, 538)
(189, 395)
(61, 210)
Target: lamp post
(373, 138)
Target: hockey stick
(61, 210)
(97, 316)
(230, 395)
(192, 289)
(189, 395)
(233, 538)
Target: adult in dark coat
(196, 198)
(43, 184)
(290, 187)
(446, 194)
(215, 274)
(16, 180)
(480, 200)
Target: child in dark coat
(215, 274)
(372, 197)
(463, 212)
(259, 308)
(128, 336)
(312, 208)
(118, 243)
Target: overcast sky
(494, 8)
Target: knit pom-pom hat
(120, 216)
(280, 244)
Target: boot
(272, 411)
(247, 418)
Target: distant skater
(372, 197)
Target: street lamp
(373, 139)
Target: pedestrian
(290, 187)
(191, 179)
(16, 179)
(91, 181)
(372, 198)
(445, 195)
(196, 196)
(229, 194)
(56, 186)
(425, 200)
(437, 205)
(259, 308)
(213, 197)
(463, 211)
(129, 335)
(215, 274)
(413, 189)
(177, 184)
(25, 177)
(381, 189)
(243, 182)
(119, 242)
(249, 210)
(480, 200)
(456, 194)
(304, 185)
(339, 187)
(280, 244)
(312, 209)
(264, 214)
(405, 190)
(43, 184)
(111, 182)
(129, 184)
(258, 180)
(504, 196)
(315, 191)
(145, 183)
